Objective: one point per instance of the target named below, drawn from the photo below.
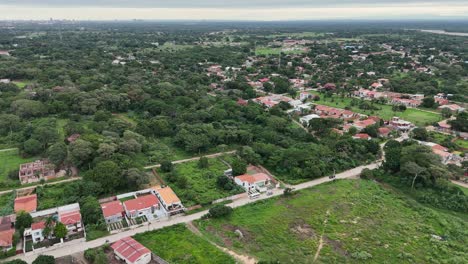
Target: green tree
(446, 113)
(57, 153)
(44, 259)
(203, 163)
(420, 133)
(166, 166)
(60, 230)
(32, 146)
(23, 221)
(239, 167)
(428, 102)
(219, 211)
(108, 174)
(91, 210)
(414, 170)
(81, 152)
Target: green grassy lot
(21, 84)
(275, 51)
(6, 204)
(462, 143)
(11, 160)
(201, 187)
(416, 116)
(176, 244)
(364, 220)
(297, 35)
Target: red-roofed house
(362, 136)
(72, 220)
(26, 203)
(257, 181)
(143, 205)
(36, 231)
(376, 85)
(130, 251)
(112, 211)
(452, 107)
(360, 125)
(441, 101)
(384, 131)
(6, 239)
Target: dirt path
(240, 258)
(46, 183)
(9, 149)
(192, 159)
(319, 248)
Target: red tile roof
(112, 208)
(362, 136)
(384, 130)
(26, 203)
(70, 218)
(130, 249)
(253, 178)
(38, 225)
(141, 202)
(6, 238)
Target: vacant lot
(176, 244)
(275, 51)
(416, 116)
(195, 185)
(356, 221)
(11, 160)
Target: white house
(169, 199)
(70, 216)
(258, 181)
(130, 251)
(307, 118)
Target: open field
(176, 244)
(462, 143)
(21, 84)
(275, 51)
(6, 204)
(194, 185)
(10, 160)
(355, 221)
(416, 116)
(297, 35)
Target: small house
(142, 205)
(131, 251)
(112, 211)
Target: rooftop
(142, 202)
(26, 203)
(112, 208)
(130, 249)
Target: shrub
(361, 255)
(219, 211)
(166, 166)
(44, 259)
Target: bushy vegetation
(182, 246)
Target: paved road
(80, 245)
(194, 158)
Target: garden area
(177, 244)
(413, 115)
(276, 51)
(7, 203)
(195, 185)
(356, 220)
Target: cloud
(217, 3)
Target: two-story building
(142, 205)
(257, 181)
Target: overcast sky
(233, 9)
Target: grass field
(297, 35)
(200, 187)
(176, 244)
(275, 51)
(462, 143)
(359, 222)
(21, 84)
(10, 160)
(6, 204)
(416, 116)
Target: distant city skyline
(260, 10)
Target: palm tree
(48, 229)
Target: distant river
(443, 32)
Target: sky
(262, 10)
